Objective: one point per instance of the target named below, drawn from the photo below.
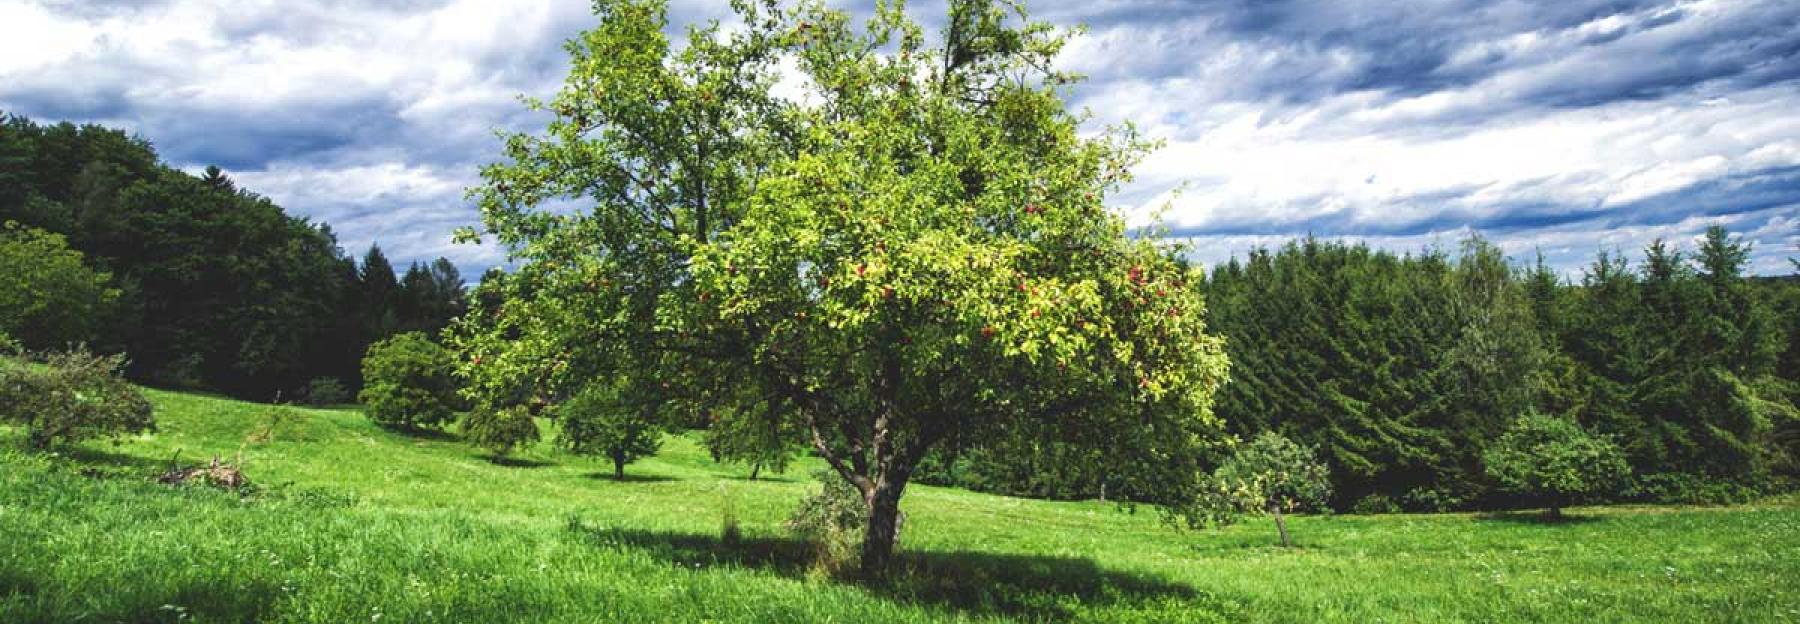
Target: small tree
(596, 421)
(409, 382)
(1271, 474)
(768, 442)
(74, 396)
(1555, 460)
(501, 431)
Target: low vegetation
(347, 521)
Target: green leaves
(408, 382)
(1554, 458)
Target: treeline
(1402, 369)
(203, 284)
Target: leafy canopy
(913, 245)
(594, 422)
(1554, 458)
(48, 297)
(501, 431)
(409, 382)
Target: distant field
(360, 525)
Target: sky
(1560, 127)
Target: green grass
(357, 524)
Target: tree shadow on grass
(1032, 587)
(628, 478)
(423, 433)
(1534, 517)
(96, 462)
(762, 479)
(517, 462)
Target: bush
(832, 522)
(1553, 459)
(408, 382)
(501, 431)
(72, 397)
(325, 392)
(594, 423)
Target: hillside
(353, 523)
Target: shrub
(72, 397)
(594, 423)
(1271, 474)
(832, 522)
(408, 382)
(501, 431)
(1553, 459)
(326, 391)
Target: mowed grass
(356, 524)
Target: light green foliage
(596, 421)
(408, 382)
(71, 397)
(1554, 459)
(48, 298)
(831, 521)
(501, 431)
(1269, 474)
(1276, 473)
(358, 521)
(914, 248)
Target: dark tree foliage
(1401, 369)
(218, 288)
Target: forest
(205, 285)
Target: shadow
(95, 462)
(423, 433)
(517, 462)
(761, 479)
(1031, 587)
(628, 478)
(1534, 517)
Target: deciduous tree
(911, 247)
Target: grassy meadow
(352, 523)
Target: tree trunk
(754, 469)
(1280, 525)
(884, 528)
(1555, 512)
(618, 467)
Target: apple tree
(881, 236)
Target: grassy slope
(360, 524)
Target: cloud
(1583, 123)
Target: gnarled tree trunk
(883, 532)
